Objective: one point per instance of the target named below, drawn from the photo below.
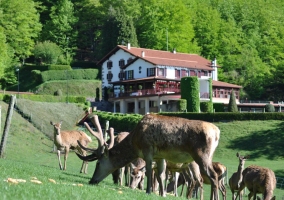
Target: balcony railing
(145, 92)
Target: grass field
(29, 154)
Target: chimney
(142, 54)
(215, 72)
(128, 45)
(174, 51)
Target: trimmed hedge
(87, 74)
(219, 107)
(59, 67)
(31, 67)
(127, 122)
(182, 105)
(190, 92)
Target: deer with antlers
(66, 140)
(158, 137)
(237, 177)
(258, 180)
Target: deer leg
(58, 155)
(149, 174)
(160, 171)
(176, 183)
(222, 188)
(85, 163)
(121, 175)
(65, 157)
(207, 168)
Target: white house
(145, 80)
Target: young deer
(137, 174)
(158, 137)
(237, 177)
(66, 140)
(259, 180)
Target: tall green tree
(166, 25)
(20, 22)
(60, 28)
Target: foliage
(58, 92)
(206, 106)
(52, 98)
(36, 74)
(190, 91)
(232, 107)
(269, 108)
(182, 105)
(59, 67)
(59, 28)
(87, 74)
(218, 107)
(47, 52)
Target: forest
(245, 36)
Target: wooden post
(7, 126)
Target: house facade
(143, 80)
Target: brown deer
(158, 137)
(66, 140)
(137, 173)
(258, 180)
(197, 179)
(237, 177)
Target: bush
(232, 107)
(47, 52)
(182, 105)
(58, 93)
(206, 107)
(269, 108)
(36, 75)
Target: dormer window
(129, 60)
(121, 63)
(109, 64)
(109, 76)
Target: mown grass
(29, 154)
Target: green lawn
(29, 154)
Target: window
(109, 76)
(129, 74)
(121, 75)
(184, 73)
(129, 60)
(151, 72)
(177, 73)
(161, 72)
(109, 64)
(121, 63)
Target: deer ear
(238, 155)
(51, 123)
(143, 169)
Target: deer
(158, 137)
(66, 140)
(236, 178)
(137, 173)
(258, 180)
(196, 179)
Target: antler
(99, 134)
(111, 135)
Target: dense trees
(246, 36)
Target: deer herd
(164, 149)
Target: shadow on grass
(266, 144)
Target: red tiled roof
(165, 58)
(224, 84)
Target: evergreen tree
(232, 107)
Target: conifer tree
(232, 107)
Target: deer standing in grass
(258, 180)
(158, 137)
(137, 173)
(66, 140)
(196, 180)
(237, 177)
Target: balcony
(145, 92)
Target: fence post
(7, 126)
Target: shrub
(47, 52)
(58, 93)
(206, 106)
(182, 105)
(232, 107)
(269, 108)
(190, 92)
